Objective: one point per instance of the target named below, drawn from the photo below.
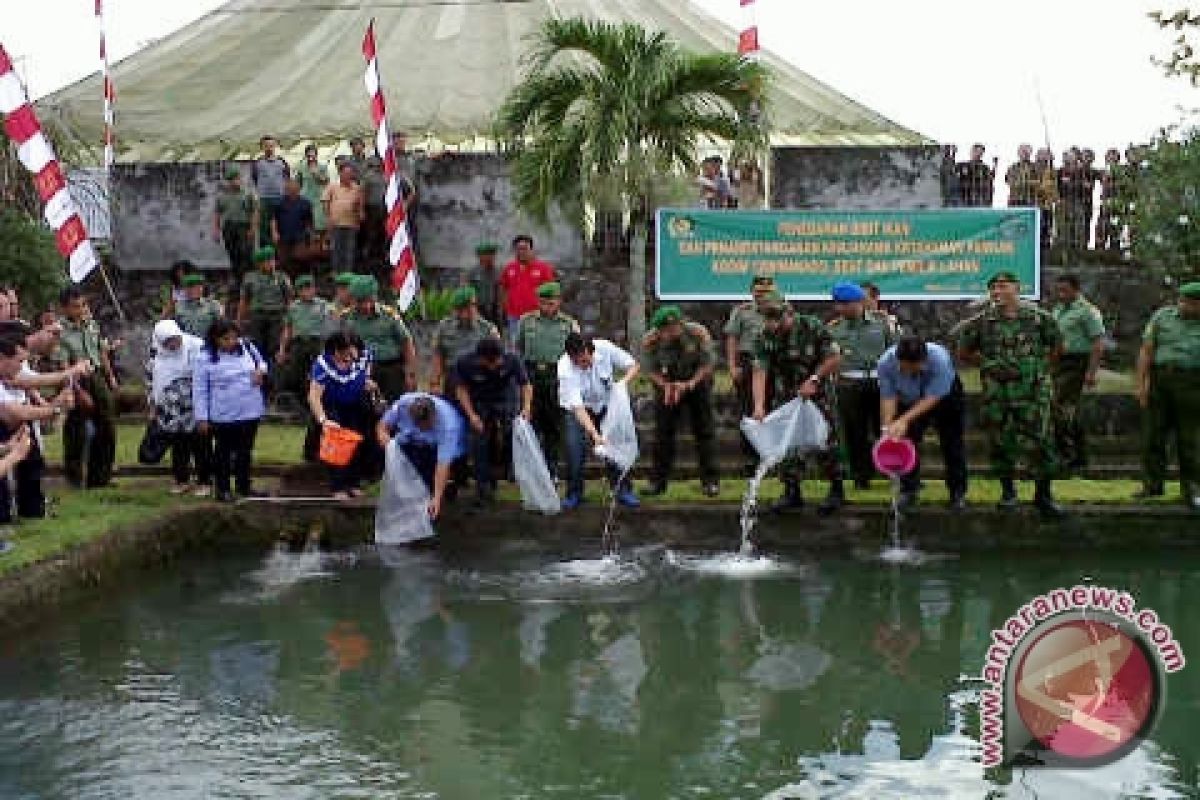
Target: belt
(858, 375)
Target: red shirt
(520, 284)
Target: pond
(514, 674)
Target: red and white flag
(35, 153)
(400, 253)
(110, 94)
(748, 40)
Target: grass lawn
(276, 444)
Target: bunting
(400, 254)
(748, 40)
(36, 154)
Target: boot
(1149, 490)
(792, 498)
(1008, 495)
(1043, 500)
(833, 501)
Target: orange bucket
(338, 445)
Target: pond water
(515, 675)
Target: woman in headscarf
(171, 367)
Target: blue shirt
(489, 387)
(935, 379)
(224, 390)
(448, 433)
(343, 387)
(294, 216)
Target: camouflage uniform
(541, 342)
(197, 316)
(1017, 386)
(679, 360)
(790, 358)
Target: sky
(958, 71)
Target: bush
(432, 305)
(1161, 193)
(29, 261)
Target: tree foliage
(1160, 193)
(29, 260)
(1182, 59)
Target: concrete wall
(164, 212)
(857, 178)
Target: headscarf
(168, 365)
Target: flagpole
(109, 151)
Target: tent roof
(293, 68)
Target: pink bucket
(894, 457)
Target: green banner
(942, 254)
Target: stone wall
(855, 178)
(164, 212)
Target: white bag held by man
(402, 514)
(794, 429)
(529, 467)
(618, 429)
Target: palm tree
(609, 111)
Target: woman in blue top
(338, 397)
(228, 402)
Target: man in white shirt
(585, 379)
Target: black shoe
(958, 503)
(711, 489)
(907, 501)
(833, 501)
(1149, 490)
(748, 470)
(1008, 495)
(862, 483)
(225, 497)
(792, 499)
(655, 488)
(1043, 501)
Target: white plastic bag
(402, 514)
(618, 429)
(529, 467)
(794, 429)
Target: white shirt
(20, 397)
(590, 387)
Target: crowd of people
(1066, 195)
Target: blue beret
(848, 293)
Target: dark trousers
(236, 238)
(264, 330)
(1173, 413)
(391, 377)
(188, 448)
(266, 213)
(302, 351)
(547, 413)
(103, 449)
(858, 406)
(697, 404)
(423, 457)
(949, 418)
(1069, 375)
(358, 418)
(578, 447)
(233, 452)
(27, 477)
(492, 444)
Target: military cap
(1190, 290)
(763, 282)
(304, 280)
(1003, 276)
(549, 290)
(232, 172)
(364, 287)
(845, 292)
(462, 297)
(264, 254)
(667, 315)
(484, 248)
(345, 279)
(193, 279)
(774, 305)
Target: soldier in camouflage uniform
(679, 358)
(81, 341)
(1169, 390)
(798, 354)
(305, 326)
(394, 358)
(196, 313)
(540, 343)
(455, 337)
(862, 337)
(1082, 328)
(265, 297)
(741, 329)
(1014, 344)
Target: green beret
(232, 172)
(462, 297)
(364, 287)
(345, 279)
(1190, 290)
(763, 282)
(549, 290)
(485, 248)
(1003, 276)
(264, 254)
(304, 280)
(193, 279)
(666, 315)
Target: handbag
(155, 442)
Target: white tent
(293, 68)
